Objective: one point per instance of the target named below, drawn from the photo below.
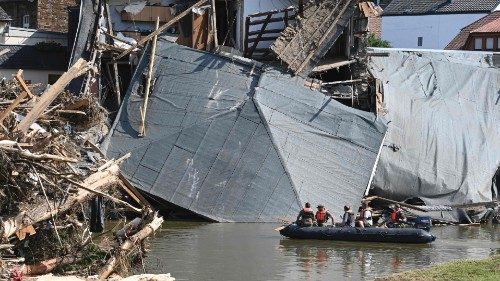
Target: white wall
(437, 30)
(258, 6)
(34, 76)
(24, 36)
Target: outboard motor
(424, 223)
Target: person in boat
(347, 217)
(397, 215)
(322, 216)
(306, 216)
(359, 218)
(367, 215)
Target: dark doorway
(226, 12)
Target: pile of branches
(50, 173)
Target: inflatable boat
(357, 234)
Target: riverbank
(487, 269)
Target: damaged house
(247, 121)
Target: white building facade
(424, 31)
(430, 24)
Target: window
(26, 21)
(420, 40)
(478, 44)
(489, 43)
(498, 43)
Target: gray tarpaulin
(232, 143)
(443, 141)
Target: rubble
(50, 170)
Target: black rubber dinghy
(369, 234)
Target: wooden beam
(21, 81)
(133, 192)
(214, 26)
(13, 105)
(161, 29)
(331, 64)
(79, 68)
(259, 36)
(409, 206)
(142, 129)
(28, 155)
(342, 82)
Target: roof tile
(481, 25)
(423, 7)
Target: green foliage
(482, 270)
(373, 41)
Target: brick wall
(52, 15)
(375, 25)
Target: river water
(237, 251)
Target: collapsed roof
(305, 44)
(443, 142)
(232, 142)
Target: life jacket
(395, 215)
(321, 215)
(347, 218)
(307, 213)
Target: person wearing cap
(306, 216)
(397, 215)
(322, 216)
(348, 217)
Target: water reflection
(348, 258)
(256, 252)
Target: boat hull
(355, 234)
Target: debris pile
(54, 182)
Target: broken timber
(42, 212)
(303, 46)
(79, 68)
(128, 245)
(142, 129)
(161, 29)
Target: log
(116, 200)
(130, 228)
(142, 129)
(79, 68)
(38, 213)
(45, 156)
(159, 30)
(128, 246)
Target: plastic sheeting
(232, 143)
(443, 141)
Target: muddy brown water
(224, 251)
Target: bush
(373, 41)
